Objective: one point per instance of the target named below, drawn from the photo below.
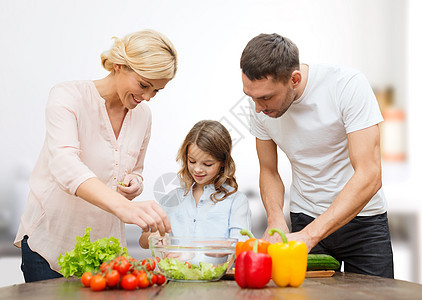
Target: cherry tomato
(98, 283)
(132, 260)
(129, 282)
(116, 261)
(86, 279)
(143, 281)
(105, 266)
(149, 263)
(122, 265)
(123, 268)
(112, 278)
(189, 264)
(139, 271)
(161, 279)
(152, 278)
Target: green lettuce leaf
(176, 269)
(87, 256)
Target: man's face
(271, 97)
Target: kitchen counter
(340, 286)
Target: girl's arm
(240, 217)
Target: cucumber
(322, 262)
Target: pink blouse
(79, 144)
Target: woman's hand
(146, 214)
(132, 186)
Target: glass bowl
(193, 259)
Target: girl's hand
(131, 186)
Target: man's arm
(365, 156)
(271, 187)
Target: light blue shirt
(209, 219)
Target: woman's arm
(146, 214)
(133, 183)
(72, 175)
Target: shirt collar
(206, 187)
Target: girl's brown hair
(213, 138)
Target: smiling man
(325, 118)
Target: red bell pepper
(253, 269)
(249, 244)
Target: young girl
(208, 204)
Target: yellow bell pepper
(289, 261)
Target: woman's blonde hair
(148, 52)
(212, 138)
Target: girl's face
(202, 166)
(132, 88)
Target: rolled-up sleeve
(139, 166)
(63, 143)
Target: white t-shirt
(313, 134)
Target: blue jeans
(363, 244)
(34, 266)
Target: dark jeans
(34, 266)
(363, 244)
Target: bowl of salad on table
(195, 259)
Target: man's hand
(131, 186)
(302, 236)
(271, 238)
(276, 238)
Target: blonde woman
(208, 204)
(97, 135)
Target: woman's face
(202, 166)
(132, 88)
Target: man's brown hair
(270, 55)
